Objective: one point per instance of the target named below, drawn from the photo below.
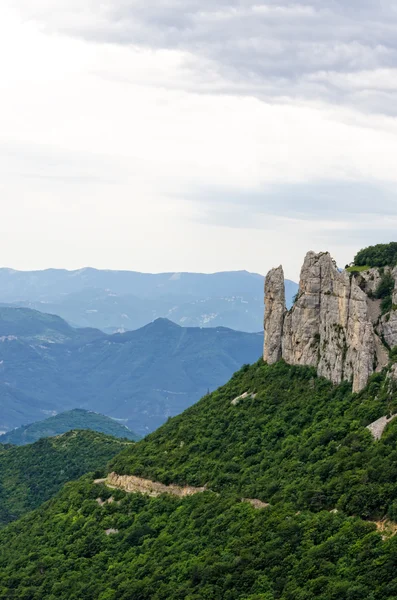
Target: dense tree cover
(30, 475)
(203, 547)
(379, 255)
(300, 440)
(66, 421)
(299, 443)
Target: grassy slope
(300, 444)
(66, 421)
(30, 475)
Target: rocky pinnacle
(329, 326)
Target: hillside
(141, 377)
(32, 474)
(64, 422)
(299, 440)
(279, 434)
(127, 300)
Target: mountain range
(126, 300)
(279, 485)
(140, 377)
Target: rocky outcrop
(274, 314)
(130, 483)
(377, 427)
(245, 396)
(330, 326)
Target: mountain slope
(64, 422)
(113, 300)
(36, 325)
(294, 440)
(299, 440)
(142, 377)
(30, 475)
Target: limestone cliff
(274, 315)
(332, 325)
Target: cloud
(194, 135)
(340, 52)
(315, 201)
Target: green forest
(380, 255)
(300, 440)
(296, 442)
(30, 475)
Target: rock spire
(331, 325)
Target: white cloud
(193, 136)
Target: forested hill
(295, 438)
(278, 434)
(32, 474)
(64, 422)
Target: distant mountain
(127, 300)
(64, 422)
(32, 474)
(140, 377)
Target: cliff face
(274, 315)
(332, 325)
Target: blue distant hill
(126, 300)
(140, 377)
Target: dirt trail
(131, 484)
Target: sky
(187, 135)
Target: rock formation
(333, 325)
(274, 314)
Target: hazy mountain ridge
(113, 300)
(141, 377)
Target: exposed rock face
(274, 314)
(377, 427)
(371, 278)
(329, 327)
(130, 483)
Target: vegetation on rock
(384, 291)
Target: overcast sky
(198, 135)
